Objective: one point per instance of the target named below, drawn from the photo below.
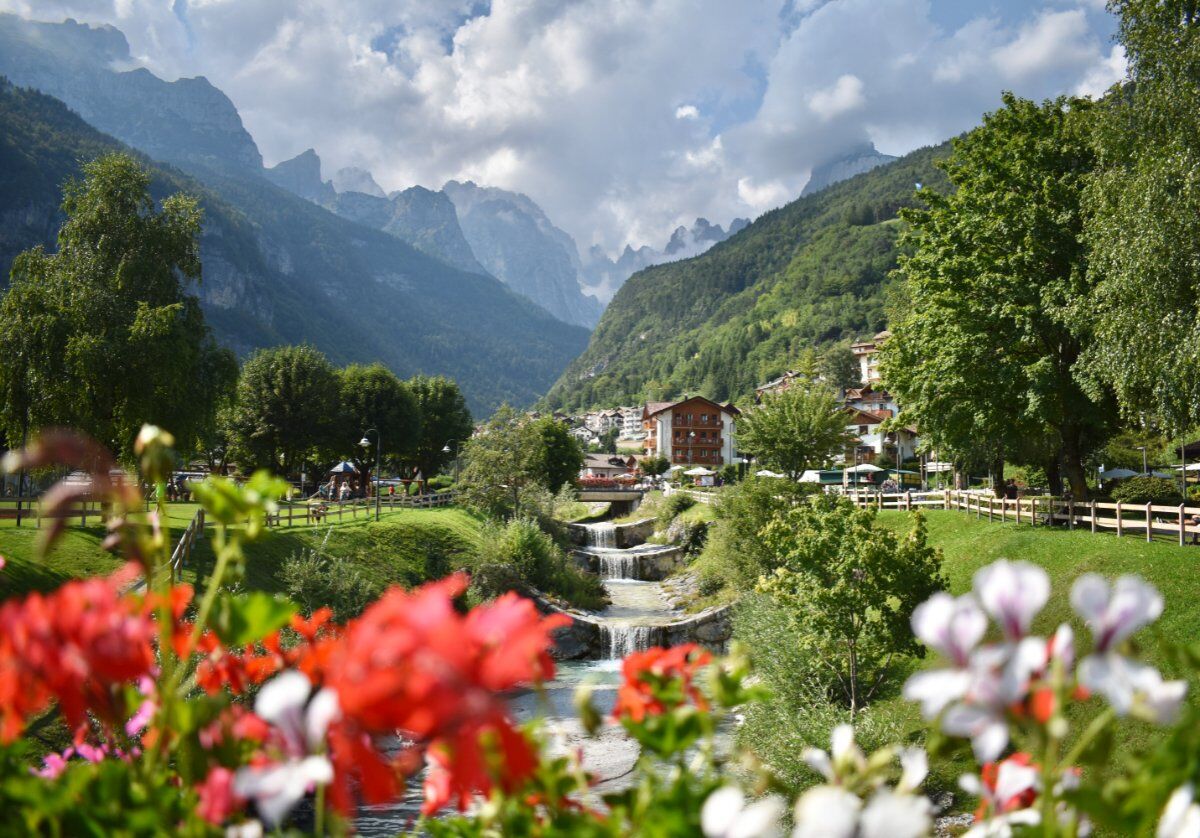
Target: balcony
(698, 442)
(681, 421)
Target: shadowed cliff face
(187, 120)
(514, 240)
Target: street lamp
(446, 450)
(691, 441)
(1145, 465)
(366, 443)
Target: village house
(584, 436)
(694, 431)
(873, 442)
(777, 385)
(608, 465)
(631, 423)
(867, 353)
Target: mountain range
(277, 268)
(811, 273)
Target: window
(862, 430)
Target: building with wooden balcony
(694, 431)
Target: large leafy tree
(445, 423)
(1144, 218)
(800, 428)
(102, 334)
(287, 407)
(560, 456)
(984, 352)
(372, 397)
(500, 462)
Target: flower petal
(1012, 593)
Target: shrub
(1146, 489)
(314, 580)
(519, 556)
(1193, 494)
(673, 505)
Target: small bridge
(623, 501)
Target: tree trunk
(997, 469)
(1073, 463)
(1054, 477)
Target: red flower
(997, 801)
(659, 680)
(413, 664)
(217, 800)
(79, 645)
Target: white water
(623, 639)
(602, 535)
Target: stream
(631, 622)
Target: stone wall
(583, 638)
(626, 535)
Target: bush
(519, 556)
(1147, 489)
(673, 505)
(314, 581)
(1193, 494)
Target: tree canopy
(445, 423)
(374, 401)
(101, 334)
(985, 346)
(799, 428)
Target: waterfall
(622, 639)
(602, 535)
(617, 565)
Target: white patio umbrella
(675, 468)
(699, 471)
(766, 472)
(1117, 474)
(864, 468)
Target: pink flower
(217, 800)
(1012, 593)
(1114, 613)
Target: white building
(874, 442)
(867, 353)
(631, 423)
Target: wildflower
(1012, 593)
(726, 815)
(658, 680)
(277, 787)
(1113, 614)
(827, 812)
(1181, 816)
(892, 814)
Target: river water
(631, 622)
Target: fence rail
(183, 548)
(290, 514)
(1142, 519)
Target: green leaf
(239, 619)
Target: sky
(622, 118)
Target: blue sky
(622, 118)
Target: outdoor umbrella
(864, 468)
(1117, 474)
(1161, 474)
(675, 468)
(343, 468)
(766, 472)
(699, 471)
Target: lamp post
(366, 443)
(691, 441)
(446, 450)
(1145, 465)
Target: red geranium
(659, 680)
(412, 664)
(80, 645)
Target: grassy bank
(780, 731)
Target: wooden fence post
(1018, 512)
(1071, 514)
(1120, 523)
(908, 500)
(1149, 521)
(1182, 525)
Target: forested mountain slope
(810, 273)
(280, 269)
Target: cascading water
(622, 640)
(602, 535)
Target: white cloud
(844, 96)
(1104, 75)
(622, 119)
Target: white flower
(1061, 647)
(1131, 686)
(1181, 817)
(284, 703)
(986, 728)
(276, 788)
(246, 829)
(845, 755)
(827, 812)
(726, 815)
(1112, 614)
(1012, 780)
(914, 765)
(893, 815)
(952, 626)
(1012, 593)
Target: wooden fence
(183, 549)
(31, 510)
(290, 514)
(1141, 519)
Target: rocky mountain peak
(301, 175)
(855, 161)
(354, 179)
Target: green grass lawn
(398, 548)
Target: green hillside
(810, 273)
(278, 269)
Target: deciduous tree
(371, 396)
(800, 428)
(445, 423)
